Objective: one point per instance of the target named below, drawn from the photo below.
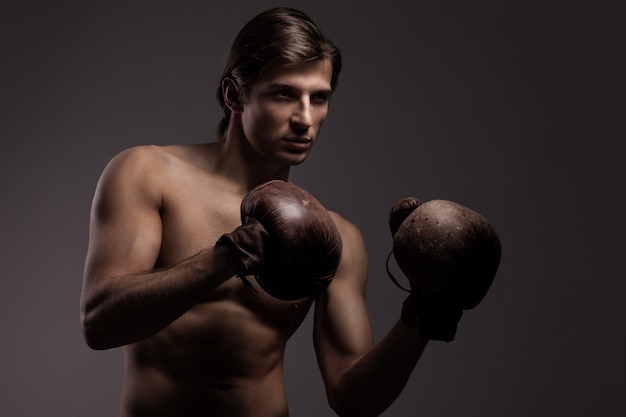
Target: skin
(196, 341)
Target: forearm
(125, 309)
(380, 375)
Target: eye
(283, 93)
(320, 98)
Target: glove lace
(395, 281)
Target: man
(196, 340)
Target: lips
(298, 144)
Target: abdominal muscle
(222, 358)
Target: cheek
(320, 116)
(264, 118)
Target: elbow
(95, 326)
(348, 406)
(93, 335)
(95, 344)
(94, 341)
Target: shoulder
(135, 160)
(354, 251)
(151, 161)
(146, 156)
(347, 229)
(138, 172)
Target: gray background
(515, 110)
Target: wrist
(410, 314)
(432, 322)
(225, 260)
(244, 247)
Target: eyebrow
(272, 86)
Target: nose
(302, 117)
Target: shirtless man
(196, 341)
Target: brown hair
(280, 37)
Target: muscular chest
(193, 217)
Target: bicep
(125, 224)
(342, 328)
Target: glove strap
(395, 281)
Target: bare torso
(197, 341)
(223, 357)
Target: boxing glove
(287, 240)
(450, 255)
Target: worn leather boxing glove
(450, 255)
(287, 240)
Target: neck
(241, 164)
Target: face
(285, 109)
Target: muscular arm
(124, 299)
(353, 367)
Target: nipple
(295, 306)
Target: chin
(293, 158)
(297, 160)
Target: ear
(232, 96)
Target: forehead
(314, 75)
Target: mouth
(298, 143)
(299, 139)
